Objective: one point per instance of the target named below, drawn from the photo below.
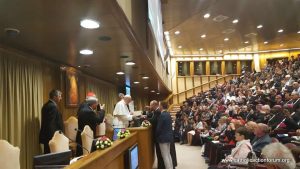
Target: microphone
(73, 141)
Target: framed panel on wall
(199, 68)
(183, 68)
(72, 89)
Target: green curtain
(21, 99)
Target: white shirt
(121, 115)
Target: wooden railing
(179, 97)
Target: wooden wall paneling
(238, 67)
(204, 79)
(189, 82)
(193, 78)
(201, 82)
(189, 93)
(185, 87)
(180, 84)
(223, 67)
(207, 67)
(182, 97)
(197, 81)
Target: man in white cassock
(122, 114)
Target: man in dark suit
(90, 114)
(261, 138)
(51, 119)
(154, 107)
(164, 134)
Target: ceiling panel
(187, 17)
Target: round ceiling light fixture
(129, 63)
(145, 77)
(235, 21)
(177, 32)
(259, 26)
(206, 16)
(89, 24)
(86, 52)
(120, 73)
(136, 82)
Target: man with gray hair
(51, 119)
(89, 115)
(122, 114)
(261, 138)
(277, 151)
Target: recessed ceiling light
(89, 24)
(136, 82)
(177, 32)
(145, 77)
(220, 51)
(298, 32)
(259, 26)
(179, 46)
(146, 87)
(86, 52)
(203, 36)
(206, 15)
(266, 42)
(157, 93)
(246, 42)
(226, 39)
(152, 91)
(235, 21)
(120, 73)
(166, 33)
(130, 63)
(281, 44)
(201, 49)
(79, 66)
(280, 30)
(11, 32)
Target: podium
(114, 156)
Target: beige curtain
(21, 96)
(107, 94)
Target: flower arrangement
(146, 123)
(103, 142)
(123, 133)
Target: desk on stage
(113, 157)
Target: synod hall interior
(149, 84)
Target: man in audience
(261, 138)
(51, 119)
(277, 151)
(122, 114)
(90, 115)
(164, 134)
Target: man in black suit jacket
(154, 107)
(51, 119)
(90, 114)
(164, 135)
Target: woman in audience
(194, 135)
(242, 148)
(186, 126)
